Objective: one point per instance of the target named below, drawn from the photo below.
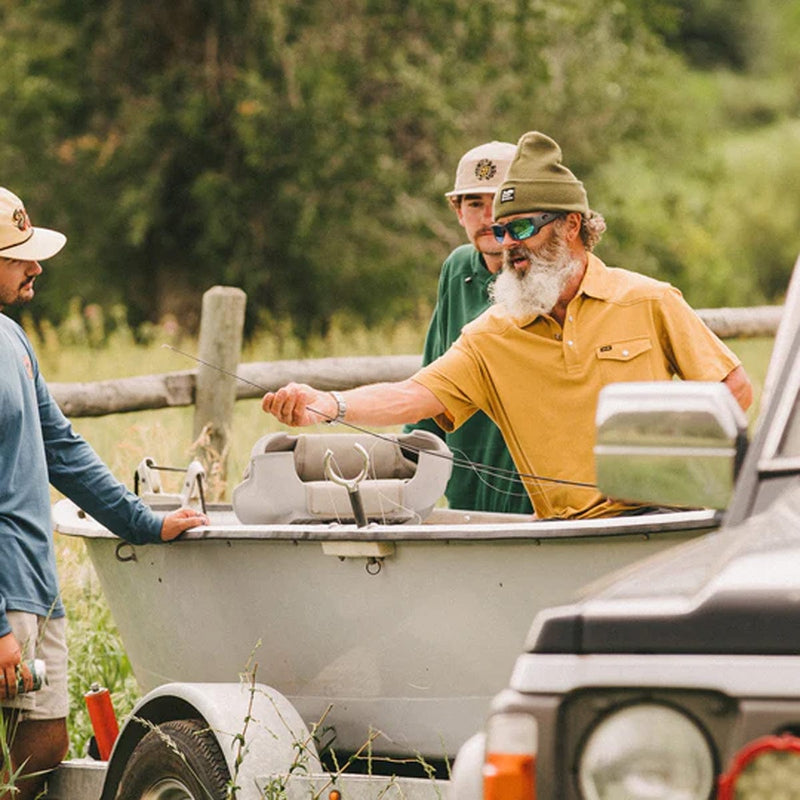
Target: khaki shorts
(44, 638)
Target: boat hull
(413, 641)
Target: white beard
(535, 290)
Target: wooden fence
(213, 392)
(97, 398)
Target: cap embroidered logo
(21, 219)
(485, 170)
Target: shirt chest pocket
(629, 360)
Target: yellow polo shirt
(540, 383)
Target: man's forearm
(373, 404)
(390, 403)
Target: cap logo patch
(21, 220)
(485, 170)
(507, 195)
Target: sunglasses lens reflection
(517, 229)
(520, 229)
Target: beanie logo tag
(508, 195)
(485, 169)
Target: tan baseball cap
(18, 238)
(482, 169)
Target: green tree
(300, 148)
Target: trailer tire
(177, 760)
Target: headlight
(646, 752)
(766, 767)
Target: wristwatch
(341, 407)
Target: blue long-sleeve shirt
(38, 447)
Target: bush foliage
(300, 150)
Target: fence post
(221, 327)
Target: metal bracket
(350, 484)
(147, 484)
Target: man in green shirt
(464, 283)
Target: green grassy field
(96, 653)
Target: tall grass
(96, 652)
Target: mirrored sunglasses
(524, 227)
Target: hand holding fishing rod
(299, 405)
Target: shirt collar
(595, 281)
(478, 268)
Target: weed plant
(74, 353)
(8, 777)
(96, 653)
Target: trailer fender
(276, 740)
(466, 781)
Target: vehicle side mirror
(673, 443)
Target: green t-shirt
(463, 295)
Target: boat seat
(285, 481)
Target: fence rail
(143, 392)
(98, 398)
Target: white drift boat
(408, 628)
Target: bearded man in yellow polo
(562, 326)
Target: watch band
(341, 407)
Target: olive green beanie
(538, 181)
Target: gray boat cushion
(285, 480)
(386, 459)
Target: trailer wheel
(178, 760)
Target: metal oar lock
(378, 550)
(351, 484)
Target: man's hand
(181, 520)
(292, 405)
(740, 386)
(10, 657)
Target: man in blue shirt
(38, 447)
(466, 277)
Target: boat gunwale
(467, 531)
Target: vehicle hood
(736, 590)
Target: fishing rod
(463, 463)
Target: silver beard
(536, 290)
